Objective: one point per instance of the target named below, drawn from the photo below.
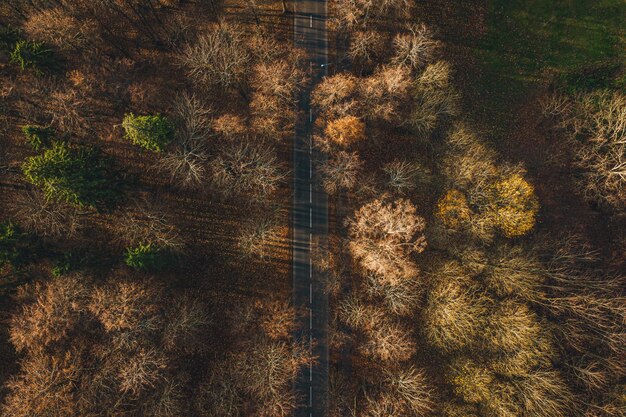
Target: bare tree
(455, 310)
(383, 338)
(46, 217)
(401, 298)
(415, 48)
(220, 57)
(403, 176)
(141, 371)
(351, 14)
(258, 234)
(148, 226)
(184, 325)
(388, 341)
(230, 126)
(384, 235)
(186, 165)
(69, 110)
(435, 98)
(61, 29)
(340, 171)
(262, 368)
(45, 386)
(409, 391)
(53, 315)
(365, 46)
(245, 168)
(597, 122)
(273, 101)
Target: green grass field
(526, 43)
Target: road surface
(310, 217)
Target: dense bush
(150, 132)
(38, 136)
(80, 176)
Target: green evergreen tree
(38, 136)
(80, 176)
(150, 132)
(31, 55)
(147, 257)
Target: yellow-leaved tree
(513, 205)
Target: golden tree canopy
(514, 205)
(453, 209)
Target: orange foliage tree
(345, 131)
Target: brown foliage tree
(91, 347)
(336, 95)
(345, 131)
(386, 93)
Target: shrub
(30, 54)
(147, 257)
(453, 209)
(38, 136)
(514, 205)
(150, 132)
(76, 175)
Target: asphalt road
(310, 217)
